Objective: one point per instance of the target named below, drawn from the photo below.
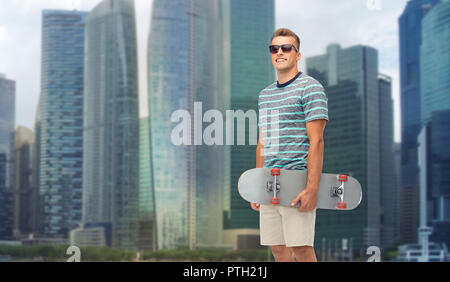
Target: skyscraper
(111, 122)
(434, 166)
(184, 63)
(35, 175)
(61, 121)
(388, 181)
(6, 202)
(434, 161)
(249, 25)
(147, 209)
(352, 139)
(24, 203)
(410, 34)
(7, 124)
(434, 61)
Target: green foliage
(58, 253)
(206, 255)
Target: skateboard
(280, 187)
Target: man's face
(285, 61)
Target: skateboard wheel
(275, 171)
(342, 205)
(275, 201)
(343, 178)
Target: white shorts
(286, 226)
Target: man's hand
(255, 206)
(308, 200)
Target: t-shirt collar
(289, 82)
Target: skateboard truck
(274, 186)
(339, 192)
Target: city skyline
(377, 27)
(108, 171)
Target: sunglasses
(286, 48)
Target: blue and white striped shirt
(284, 110)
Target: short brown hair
(287, 32)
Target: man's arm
(308, 197)
(260, 151)
(259, 161)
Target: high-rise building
(434, 61)
(185, 58)
(352, 140)
(7, 125)
(388, 181)
(410, 34)
(6, 202)
(397, 153)
(24, 203)
(249, 26)
(35, 164)
(434, 161)
(61, 121)
(111, 122)
(147, 211)
(434, 165)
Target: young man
(293, 113)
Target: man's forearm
(259, 156)
(315, 162)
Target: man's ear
(299, 56)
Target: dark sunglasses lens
(286, 48)
(274, 49)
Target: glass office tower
(434, 61)
(61, 121)
(352, 140)
(7, 133)
(410, 35)
(250, 25)
(435, 114)
(7, 125)
(24, 202)
(388, 181)
(147, 211)
(111, 122)
(434, 164)
(184, 61)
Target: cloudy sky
(318, 23)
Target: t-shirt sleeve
(314, 102)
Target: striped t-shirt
(284, 110)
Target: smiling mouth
(280, 60)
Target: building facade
(24, 201)
(434, 61)
(249, 26)
(184, 63)
(434, 165)
(111, 122)
(388, 181)
(352, 140)
(410, 35)
(61, 113)
(7, 137)
(147, 207)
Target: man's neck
(284, 77)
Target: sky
(317, 22)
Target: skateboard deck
(336, 192)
